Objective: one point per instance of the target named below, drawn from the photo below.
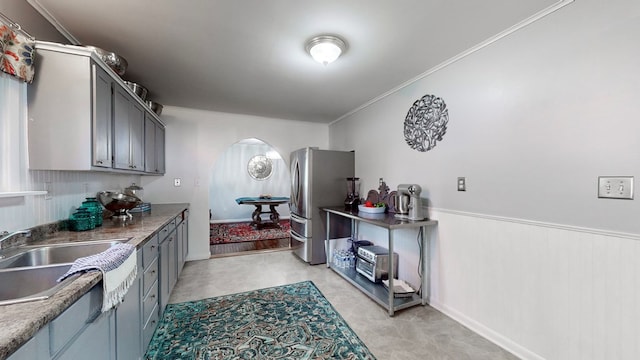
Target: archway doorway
(248, 168)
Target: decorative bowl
(113, 60)
(154, 106)
(372, 210)
(117, 201)
(137, 89)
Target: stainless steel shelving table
(378, 292)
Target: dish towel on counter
(119, 268)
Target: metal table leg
(390, 272)
(327, 242)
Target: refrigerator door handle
(298, 237)
(295, 185)
(297, 218)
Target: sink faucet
(6, 235)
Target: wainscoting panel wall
(542, 291)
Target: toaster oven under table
(377, 292)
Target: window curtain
(16, 53)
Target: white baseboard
(487, 333)
(200, 256)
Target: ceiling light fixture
(326, 49)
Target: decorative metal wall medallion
(260, 167)
(426, 123)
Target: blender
(353, 194)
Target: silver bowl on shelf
(119, 203)
(155, 107)
(113, 60)
(137, 89)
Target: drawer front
(150, 252)
(63, 328)
(149, 328)
(166, 230)
(150, 302)
(150, 276)
(300, 226)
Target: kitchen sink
(32, 283)
(27, 256)
(29, 273)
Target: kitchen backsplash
(67, 190)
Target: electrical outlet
(49, 190)
(615, 187)
(177, 182)
(462, 184)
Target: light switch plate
(615, 187)
(462, 184)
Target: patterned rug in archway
(243, 231)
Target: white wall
(196, 138)
(535, 118)
(230, 180)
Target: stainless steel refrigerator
(318, 179)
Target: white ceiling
(247, 56)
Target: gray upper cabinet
(83, 117)
(160, 149)
(128, 126)
(153, 146)
(102, 115)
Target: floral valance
(16, 53)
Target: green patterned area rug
(290, 322)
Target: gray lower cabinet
(36, 348)
(182, 232)
(95, 341)
(129, 321)
(80, 330)
(168, 268)
(83, 331)
(149, 299)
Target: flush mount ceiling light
(326, 49)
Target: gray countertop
(386, 220)
(20, 322)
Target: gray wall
(29, 19)
(535, 118)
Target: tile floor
(415, 333)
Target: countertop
(386, 220)
(20, 322)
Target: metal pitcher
(402, 203)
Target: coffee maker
(353, 194)
(411, 209)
